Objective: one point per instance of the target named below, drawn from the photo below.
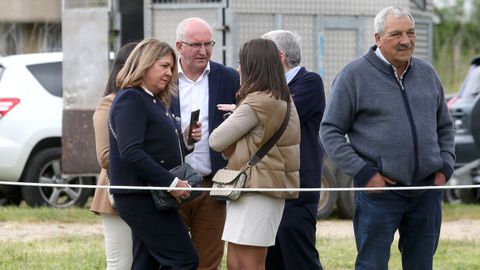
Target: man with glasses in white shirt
(202, 85)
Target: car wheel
(469, 195)
(451, 196)
(327, 200)
(45, 167)
(10, 195)
(346, 199)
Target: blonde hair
(142, 58)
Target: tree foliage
(456, 41)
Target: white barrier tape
(241, 189)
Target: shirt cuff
(173, 184)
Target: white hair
(183, 25)
(287, 42)
(398, 12)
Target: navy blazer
(309, 97)
(146, 142)
(223, 83)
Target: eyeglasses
(198, 45)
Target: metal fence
(70, 4)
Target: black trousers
(295, 242)
(159, 237)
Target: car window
(471, 84)
(49, 75)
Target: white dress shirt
(193, 95)
(292, 73)
(380, 55)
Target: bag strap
(269, 144)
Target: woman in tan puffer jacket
(252, 220)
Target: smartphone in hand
(194, 116)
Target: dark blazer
(223, 83)
(146, 144)
(309, 97)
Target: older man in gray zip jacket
(392, 107)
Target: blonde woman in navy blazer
(144, 144)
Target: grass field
(86, 252)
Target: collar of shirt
(182, 75)
(380, 55)
(148, 91)
(292, 73)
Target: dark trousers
(379, 215)
(159, 237)
(295, 242)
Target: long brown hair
(261, 70)
(142, 58)
(118, 63)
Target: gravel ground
(453, 230)
(21, 231)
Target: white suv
(31, 108)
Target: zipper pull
(401, 84)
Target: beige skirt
(253, 220)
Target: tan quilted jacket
(100, 202)
(279, 168)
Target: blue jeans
(379, 215)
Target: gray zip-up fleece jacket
(401, 129)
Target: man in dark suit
(295, 242)
(202, 85)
